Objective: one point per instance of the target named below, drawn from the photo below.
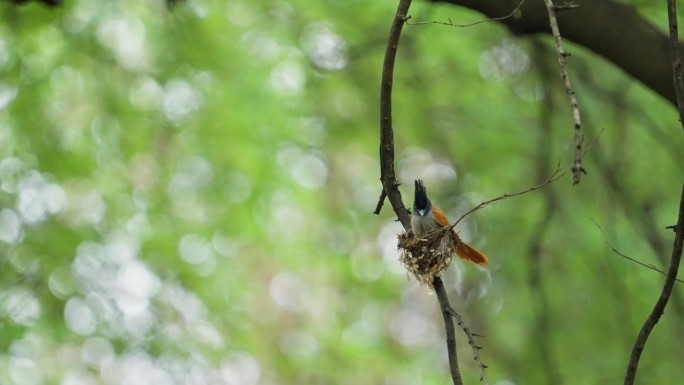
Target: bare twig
(381, 201)
(449, 327)
(577, 168)
(387, 175)
(627, 257)
(557, 174)
(450, 23)
(676, 256)
(471, 340)
(566, 7)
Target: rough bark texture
(611, 29)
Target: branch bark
(387, 174)
(609, 28)
(449, 326)
(659, 308)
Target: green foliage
(186, 197)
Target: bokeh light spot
(25, 371)
(10, 226)
(20, 305)
(287, 78)
(79, 317)
(288, 291)
(411, 328)
(503, 61)
(194, 249)
(240, 369)
(324, 48)
(181, 100)
(97, 351)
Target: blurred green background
(186, 197)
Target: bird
(425, 218)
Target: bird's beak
(421, 212)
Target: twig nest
(426, 257)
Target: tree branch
(449, 327)
(450, 23)
(387, 175)
(610, 28)
(659, 307)
(675, 57)
(675, 259)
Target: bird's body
(426, 218)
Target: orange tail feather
(468, 253)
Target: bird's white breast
(422, 225)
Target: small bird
(426, 218)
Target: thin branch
(514, 12)
(675, 57)
(627, 257)
(566, 7)
(660, 305)
(676, 256)
(449, 327)
(381, 202)
(557, 174)
(471, 340)
(577, 168)
(387, 175)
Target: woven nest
(428, 256)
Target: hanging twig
(577, 168)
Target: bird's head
(421, 203)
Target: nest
(428, 256)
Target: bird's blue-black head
(421, 203)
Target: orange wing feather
(467, 252)
(440, 218)
(463, 250)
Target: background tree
(186, 196)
